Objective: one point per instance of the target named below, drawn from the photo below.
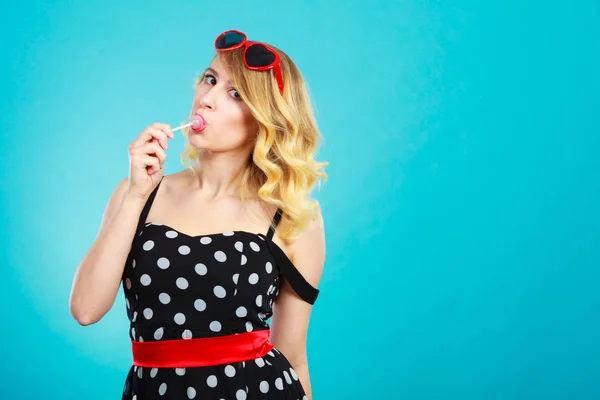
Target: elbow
(81, 315)
(83, 319)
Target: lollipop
(197, 123)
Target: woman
(207, 255)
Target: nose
(207, 100)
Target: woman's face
(230, 124)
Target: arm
(291, 314)
(98, 276)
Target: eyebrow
(215, 73)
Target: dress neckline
(261, 235)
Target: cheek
(239, 119)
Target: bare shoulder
(309, 250)
(176, 180)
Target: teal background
(461, 208)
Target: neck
(217, 175)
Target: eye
(211, 80)
(235, 94)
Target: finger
(158, 152)
(166, 128)
(162, 142)
(152, 148)
(147, 135)
(159, 137)
(150, 163)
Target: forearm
(302, 372)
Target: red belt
(182, 353)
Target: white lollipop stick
(181, 127)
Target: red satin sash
(182, 353)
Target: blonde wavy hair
(281, 170)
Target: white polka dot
(191, 393)
(254, 246)
(148, 313)
(219, 291)
(205, 240)
(179, 319)
(153, 372)
(162, 389)
(271, 353)
(240, 394)
(187, 334)
(249, 326)
(220, 256)
(259, 300)
(139, 372)
(180, 371)
(163, 263)
(145, 279)
(128, 283)
(182, 283)
(201, 269)
(200, 305)
(215, 326)
(127, 303)
(230, 371)
(239, 246)
(294, 375)
(260, 362)
(264, 386)
(184, 250)
(135, 314)
(229, 233)
(253, 278)
(235, 278)
(269, 267)
(164, 298)
(241, 312)
(279, 383)
(304, 398)
(211, 381)
(244, 260)
(171, 234)
(149, 245)
(158, 334)
(287, 377)
(133, 263)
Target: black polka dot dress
(179, 287)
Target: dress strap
(140, 226)
(147, 206)
(274, 223)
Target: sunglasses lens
(228, 40)
(258, 55)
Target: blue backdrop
(461, 211)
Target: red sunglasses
(257, 56)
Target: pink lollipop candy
(197, 123)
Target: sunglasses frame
(245, 43)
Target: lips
(198, 123)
